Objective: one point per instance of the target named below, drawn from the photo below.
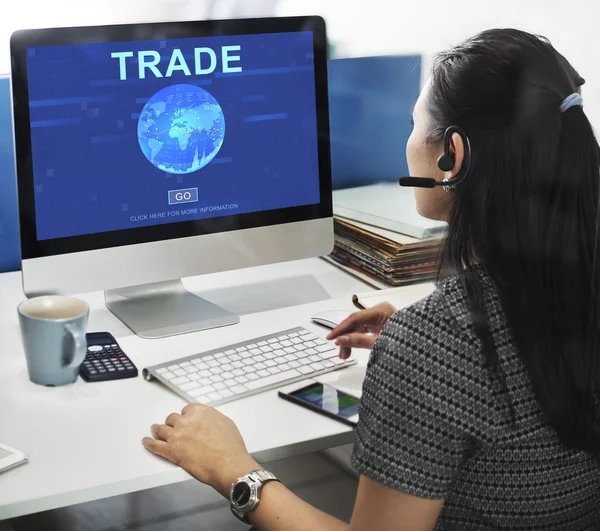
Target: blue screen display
(329, 399)
(132, 134)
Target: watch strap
(259, 478)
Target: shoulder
(431, 349)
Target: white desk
(85, 439)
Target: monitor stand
(165, 309)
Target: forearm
(279, 509)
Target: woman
(480, 406)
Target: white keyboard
(244, 369)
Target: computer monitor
(151, 152)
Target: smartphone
(326, 400)
(10, 458)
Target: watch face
(241, 494)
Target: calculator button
(95, 348)
(110, 369)
(102, 371)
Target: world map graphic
(181, 129)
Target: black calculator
(105, 360)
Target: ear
(457, 148)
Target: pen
(357, 303)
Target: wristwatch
(245, 493)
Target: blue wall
(10, 251)
(370, 102)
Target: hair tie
(571, 101)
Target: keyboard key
(263, 373)
(272, 379)
(325, 348)
(216, 378)
(270, 355)
(230, 352)
(305, 369)
(227, 367)
(227, 375)
(235, 357)
(241, 349)
(161, 371)
(310, 344)
(185, 364)
(191, 369)
(238, 372)
(180, 380)
(260, 366)
(284, 367)
(294, 334)
(259, 358)
(295, 364)
(329, 354)
(173, 367)
(317, 366)
(270, 363)
(205, 374)
(237, 365)
(296, 341)
(252, 376)
(242, 379)
(207, 389)
(328, 364)
(215, 397)
(261, 343)
(197, 393)
(272, 340)
(249, 369)
(238, 389)
(180, 372)
(213, 363)
(194, 376)
(274, 370)
(304, 332)
(219, 386)
(286, 343)
(217, 370)
(225, 393)
(255, 351)
(253, 345)
(209, 357)
(189, 386)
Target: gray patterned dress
(433, 424)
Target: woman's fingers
(356, 340)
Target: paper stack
(382, 257)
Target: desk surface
(85, 439)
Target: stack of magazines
(383, 257)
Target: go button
(179, 197)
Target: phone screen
(330, 399)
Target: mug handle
(80, 342)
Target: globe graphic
(181, 129)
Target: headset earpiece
(446, 162)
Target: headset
(445, 163)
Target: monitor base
(165, 309)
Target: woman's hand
(205, 443)
(361, 329)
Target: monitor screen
(211, 132)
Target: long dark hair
(528, 212)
